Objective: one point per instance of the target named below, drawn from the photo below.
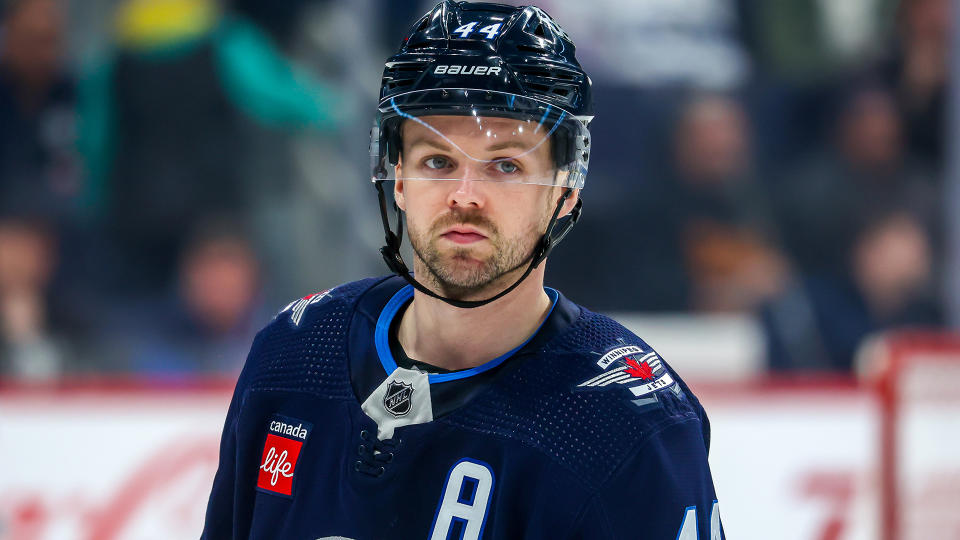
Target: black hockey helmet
(487, 61)
(535, 54)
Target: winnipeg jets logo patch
(397, 398)
(631, 368)
(298, 307)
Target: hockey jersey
(582, 432)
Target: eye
(506, 167)
(437, 162)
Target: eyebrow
(430, 142)
(507, 144)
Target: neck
(449, 337)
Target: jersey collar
(401, 297)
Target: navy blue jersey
(581, 432)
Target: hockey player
(466, 400)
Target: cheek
(525, 213)
(545, 204)
(423, 201)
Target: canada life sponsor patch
(630, 368)
(281, 450)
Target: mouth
(463, 235)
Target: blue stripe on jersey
(381, 338)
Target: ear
(398, 187)
(569, 203)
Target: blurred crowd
(173, 171)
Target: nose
(465, 193)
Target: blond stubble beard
(455, 272)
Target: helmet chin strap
(391, 251)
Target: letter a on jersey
(465, 499)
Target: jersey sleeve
(220, 520)
(663, 491)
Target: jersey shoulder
(303, 349)
(590, 399)
(601, 356)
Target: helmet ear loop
(561, 144)
(548, 241)
(393, 145)
(390, 141)
(391, 249)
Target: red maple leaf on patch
(639, 370)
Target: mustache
(459, 217)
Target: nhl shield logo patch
(397, 398)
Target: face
(871, 130)
(27, 257)
(220, 283)
(472, 222)
(33, 41)
(712, 142)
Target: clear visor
(480, 136)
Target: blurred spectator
(919, 71)
(720, 211)
(698, 237)
(38, 165)
(279, 19)
(887, 283)
(29, 346)
(802, 52)
(867, 173)
(207, 326)
(169, 125)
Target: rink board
(131, 462)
